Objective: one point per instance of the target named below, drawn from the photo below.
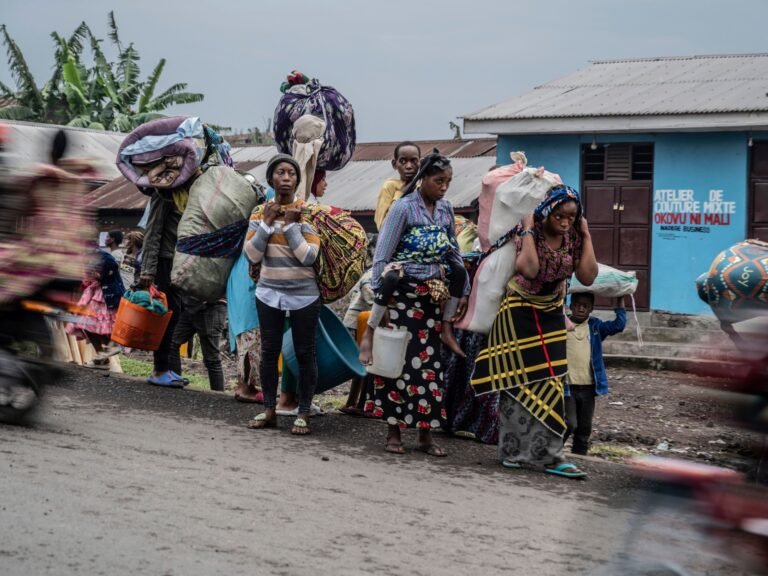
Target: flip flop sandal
(465, 434)
(394, 448)
(511, 465)
(432, 450)
(260, 421)
(567, 471)
(300, 424)
(257, 399)
(166, 380)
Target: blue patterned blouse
(425, 243)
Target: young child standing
(406, 162)
(586, 369)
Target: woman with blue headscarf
(525, 358)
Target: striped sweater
(287, 254)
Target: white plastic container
(389, 348)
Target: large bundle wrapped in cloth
(736, 285)
(491, 182)
(168, 152)
(331, 141)
(466, 234)
(513, 199)
(211, 231)
(343, 249)
(609, 283)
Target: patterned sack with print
(304, 96)
(736, 285)
(343, 249)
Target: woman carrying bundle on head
(526, 354)
(416, 252)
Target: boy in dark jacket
(586, 369)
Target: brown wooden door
(618, 208)
(758, 192)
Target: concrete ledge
(713, 368)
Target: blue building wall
(705, 167)
(700, 199)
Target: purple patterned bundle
(177, 136)
(324, 102)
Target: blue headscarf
(556, 196)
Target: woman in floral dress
(418, 239)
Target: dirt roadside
(665, 413)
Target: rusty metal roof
(453, 148)
(117, 195)
(355, 187)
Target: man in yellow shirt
(406, 162)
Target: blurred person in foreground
(45, 225)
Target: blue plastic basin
(337, 355)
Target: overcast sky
(408, 66)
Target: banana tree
(131, 102)
(108, 95)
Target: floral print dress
(415, 398)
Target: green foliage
(106, 95)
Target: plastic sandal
(260, 422)
(567, 471)
(300, 424)
(166, 379)
(511, 465)
(179, 378)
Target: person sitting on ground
(417, 239)
(586, 369)
(285, 247)
(406, 162)
(208, 321)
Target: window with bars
(617, 162)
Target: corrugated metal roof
(253, 153)
(117, 195)
(462, 148)
(31, 142)
(645, 87)
(356, 186)
(365, 151)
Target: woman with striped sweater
(285, 248)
